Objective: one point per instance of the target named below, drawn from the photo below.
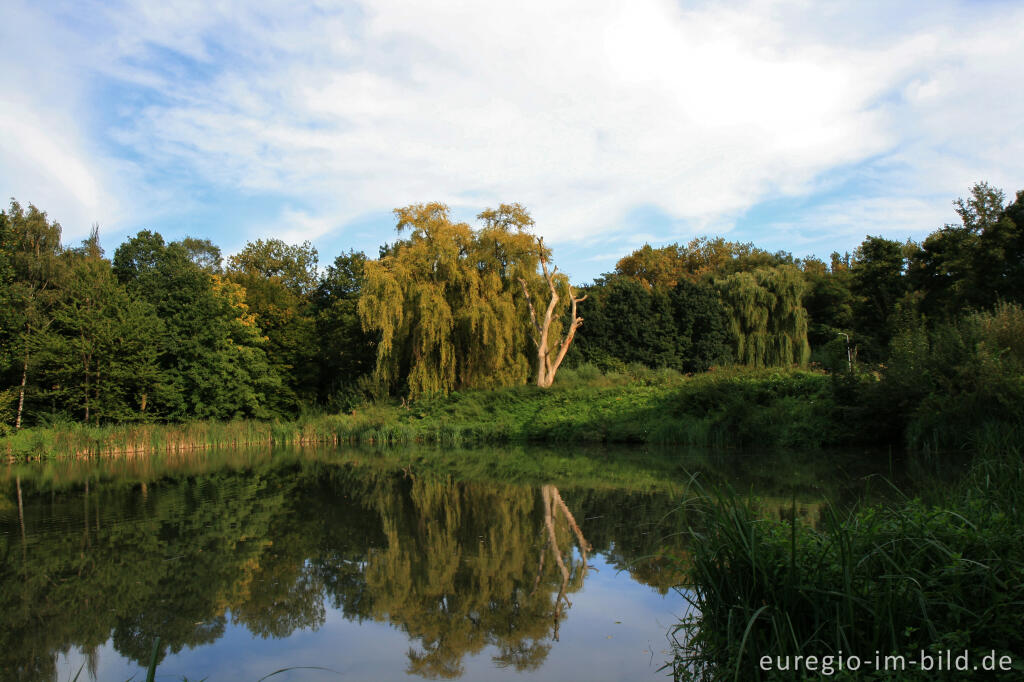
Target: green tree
(203, 253)
(829, 302)
(99, 356)
(767, 318)
(443, 304)
(878, 284)
(278, 280)
(212, 358)
(701, 327)
(346, 352)
(973, 264)
(33, 258)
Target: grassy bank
(725, 408)
(728, 408)
(897, 580)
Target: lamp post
(849, 357)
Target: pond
(354, 564)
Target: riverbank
(900, 582)
(725, 408)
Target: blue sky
(796, 125)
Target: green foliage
(976, 263)
(877, 284)
(894, 580)
(31, 269)
(97, 359)
(444, 301)
(346, 353)
(684, 328)
(767, 317)
(211, 352)
(278, 280)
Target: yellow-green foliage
(447, 301)
(767, 317)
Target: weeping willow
(767, 317)
(445, 301)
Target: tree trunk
(546, 369)
(21, 515)
(21, 393)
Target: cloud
(582, 111)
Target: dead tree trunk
(552, 504)
(546, 367)
(21, 392)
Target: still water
(355, 565)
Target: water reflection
(94, 557)
(458, 566)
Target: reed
(728, 408)
(890, 579)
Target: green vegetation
(896, 579)
(725, 408)
(164, 333)
(268, 542)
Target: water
(358, 565)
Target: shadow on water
(462, 551)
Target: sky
(802, 126)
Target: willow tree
(442, 301)
(767, 317)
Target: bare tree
(553, 503)
(546, 367)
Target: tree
(702, 257)
(767, 317)
(877, 284)
(99, 357)
(441, 302)
(212, 358)
(976, 263)
(544, 340)
(33, 257)
(346, 352)
(203, 253)
(702, 327)
(278, 280)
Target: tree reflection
(460, 567)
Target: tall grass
(889, 580)
(729, 408)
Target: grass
(891, 579)
(727, 408)
(733, 407)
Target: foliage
(684, 328)
(767, 317)
(347, 353)
(444, 301)
(97, 358)
(665, 267)
(976, 263)
(211, 352)
(894, 580)
(277, 280)
(877, 284)
(33, 271)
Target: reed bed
(734, 407)
(877, 580)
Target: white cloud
(581, 110)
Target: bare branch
(529, 302)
